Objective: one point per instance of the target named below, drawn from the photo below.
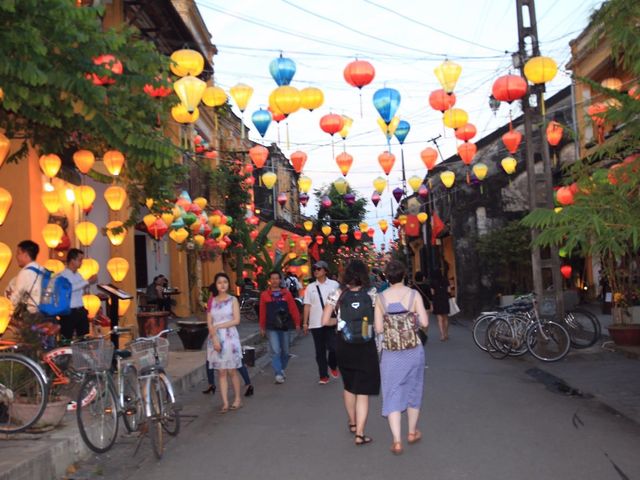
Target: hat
(321, 264)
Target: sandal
(223, 410)
(235, 407)
(414, 437)
(363, 440)
(396, 448)
(352, 428)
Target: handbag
(453, 307)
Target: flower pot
(193, 333)
(626, 335)
(51, 417)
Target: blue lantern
(261, 119)
(402, 130)
(386, 101)
(282, 70)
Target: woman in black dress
(440, 290)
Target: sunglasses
(315, 269)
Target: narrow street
(482, 419)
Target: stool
(193, 333)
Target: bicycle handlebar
(158, 335)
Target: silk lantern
(359, 73)
(467, 151)
(441, 101)
(5, 204)
(375, 199)
(110, 63)
(326, 230)
(509, 88)
(331, 123)
(422, 217)
(564, 195)
(386, 101)
(118, 268)
(6, 308)
(363, 226)
(383, 225)
(116, 238)
(344, 161)
(5, 258)
(123, 306)
(241, 94)
(343, 227)
(379, 184)
(554, 133)
(50, 164)
(157, 229)
(86, 232)
(269, 179)
(347, 122)
(259, 155)
(52, 234)
(512, 140)
(341, 186)
(390, 129)
(466, 132)
(186, 62)
(415, 182)
(540, 70)
(397, 193)
(158, 91)
(282, 70)
(480, 171)
(5, 147)
(448, 178)
(261, 120)
(304, 184)
(286, 99)
(115, 197)
(509, 165)
(92, 304)
(179, 235)
(189, 90)
(447, 74)
(214, 96)
(386, 161)
(84, 160)
(423, 192)
(402, 130)
(311, 98)
(455, 118)
(565, 270)
(298, 159)
(54, 265)
(308, 225)
(88, 268)
(180, 114)
(282, 199)
(85, 196)
(429, 157)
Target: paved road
(482, 419)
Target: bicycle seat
(122, 353)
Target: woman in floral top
(224, 351)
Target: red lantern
(332, 239)
(277, 116)
(512, 140)
(554, 133)
(441, 100)
(371, 232)
(467, 151)
(157, 92)
(509, 88)
(344, 237)
(319, 239)
(109, 62)
(466, 132)
(357, 234)
(344, 161)
(564, 196)
(429, 157)
(258, 155)
(298, 159)
(565, 270)
(331, 123)
(253, 234)
(359, 73)
(386, 161)
(595, 111)
(157, 229)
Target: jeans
(211, 378)
(279, 348)
(324, 339)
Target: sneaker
(323, 380)
(334, 372)
(279, 379)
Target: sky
(404, 41)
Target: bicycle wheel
(170, 411)
(154, 423)
(479, 331)
(133, 410)
(519, 325)
(23, 393)
(499, 338)
(548, 341)
(65, 380)
(98, 419)
(583, 328)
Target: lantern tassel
(360, 91)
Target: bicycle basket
(95, 355)
(142, 352)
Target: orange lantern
(467, 151)
(6, 308)
(422, 217)
(441, 100)
(386, 161)
(259, 155)
(85, 195)
(88, 268)
(52, 234)
(115, 197)
(5, 204)
(344, 228)
(118, 267)
(466, 132)
(51, 201)
(298, 159)
(54, 265)
(113, 161)
(331, 123)
(429, 157)
(509, 88)
(596, 111)
(116, 238)
(344, 161)
(326, 230)
(179, 235)
(383, 224)
(84, 160)
(123, 306)
(308, 225)
(612, 83)
(110, 63)
(512, 140)
(92, 304)
(5, 258)
(5, 147)
(86, 232)
(554, 133)
(359, 73)
(50, 164)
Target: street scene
(285, 239)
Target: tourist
(76, 322)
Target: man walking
(278, 315)
(315, 297)
(77, 321)
(26, 286)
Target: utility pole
(540, 189)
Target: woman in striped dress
(402, 363)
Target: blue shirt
(78, 285)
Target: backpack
(292, 286)
(55, 296)
(400, 328)
(356, 316)
(278, 317)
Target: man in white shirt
(26, 286)
(315, 298)
(77, 321)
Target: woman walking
(399, 312)
(357, 362)
(440, 290)
(224, 352)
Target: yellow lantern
(179, 235)
(180, 114)
(304, 184)
(6, 309)
(92, 304)
(5, 147)
(215, 219)
(149, 219)
(51, 201)
(5, 258)
(115, 197)
(186, 62)
(149, 203)
(383, 224)
(388, 130)
(118, 267)
(214, 96)
(447, 74)
(540, 70)
(201, 202)
(88, 268)
(557, 209)
(54, 265)
(304, 269)
(5, 204)
(308, 225)
(612, 83)
(123, 306)
(509, 164)
(422, 217)
(85, 195)
(364, 226)
(347, 122)
(198, 240)
(50, 164)
(113, 161)
(167, 218)
(86, 232)
(286, 99)
(292, 255)
(241, 94)
(116, 238)
(311, 98)
(414, 182)
(52, 234)
(269, 179)
(341, 186)
(448, 178)
(189, 90)
(84, 160)
(379, 184)
(480, 171)
(326, 230)
(455, 118)
(344, 228)
(402, 219)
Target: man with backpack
(25, 287)
(292, 284)
(77, 320)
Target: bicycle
(248, 305)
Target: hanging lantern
(466, 132)
(298, 159)
(512, 140)
(86, 232)
(344, 161)
(269, 179)
(359, 73)
(5, 258)
(480, 171)
(189, 90)
(509, 164)
(383, 225)
(88, 268)
(52, 234)
(157, 229)
(554, 133)
(467, 151)
(123, 306)
(331, 123)
(375, 199)
(509, 88)
(564, 195)
(85, 196)
(282, 199)
(50, 164)
(84, 160)
(259, 155)
(363, 226)
(343, 227)
(341, 186)
(304, 184)
(347, 122)
(116, 238)
(414, 182)
(201, 202)
(214, 96)
(179, 235)
(92, 304)
(276, 115)
(634, 92)
(326, 230)
(448, 178)
(386, 101)
(596, 111)
(397, 193)
(179, 114)
(5, 204)
(326, 202)
(51, 201)
(402, 219)
(447, 74)
(386, 161)
(319, 239)
(565, 270)
(540, 70)
(402, 130)
(5, 147)
(429, 157)
(115, 197)
(286, 99)
(308, 225)
(422, 217)
(186, 62)
(54, 265)
(311, 98)
(241, 94)
(441, 101)
(199, 240)
(282, 70)
(379, 184)
(261, 120)
(423, 192)
(158, 91)
(303, 198)
(371, 232)
(390, 129)
(110, 63)
(118, 268)
(148, 220)
(6, 308)
(455, 118)
(113, 161)
(332, 239)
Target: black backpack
(292, 287)
(356, 316)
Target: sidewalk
(47, 455)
